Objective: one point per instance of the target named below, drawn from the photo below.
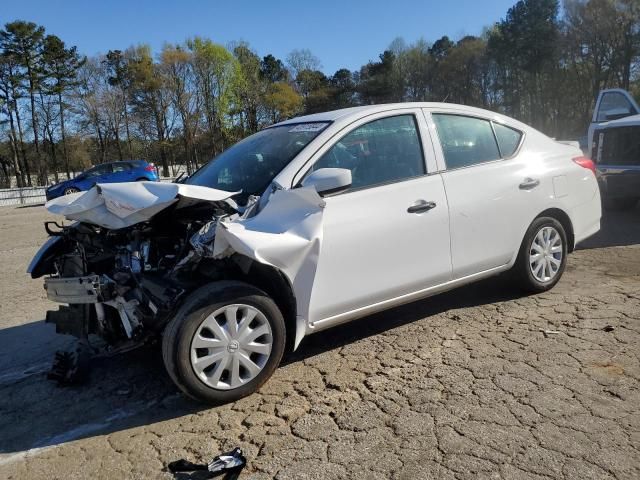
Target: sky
(342, 34)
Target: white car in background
(339, 215)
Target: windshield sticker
(308, 127)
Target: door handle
(421, 206)
(529, 183)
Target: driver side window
(381, 151)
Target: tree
(524, 45)
(61, 65)
(302, 59)
(178, 68)
(273, 70)
(217, 75)
(417, 71)
(94, 104)
(343, 89)
(314, 87)
(282, 101)
(150, 100)
(23, 41)
(462, 71)
(251, 88)
(376, 80)
(9, 87)
(119, 76)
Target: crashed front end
(132, 253)
(137, 250)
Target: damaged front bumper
(87, 289)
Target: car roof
(354, 113)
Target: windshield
(251, 164)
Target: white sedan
(339, 215)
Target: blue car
(115, 172)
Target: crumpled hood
(119, 205)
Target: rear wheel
(543, 255)
(70, 190)
(224, 343)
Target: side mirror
(329, 180)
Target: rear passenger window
(121, 167)
(508, 139)
(381, 151)
(465, 141)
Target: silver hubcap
(69, 191)
(231, 346)
(545, 254)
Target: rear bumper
(619, 181)
(586, 218)
(51, 195)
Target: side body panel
(374, 250)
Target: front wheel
(70, 190)
(225, 341)
(543, 255)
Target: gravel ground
(475, 383)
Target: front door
(388, 235)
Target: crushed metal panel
(119, 205)
(286, 234)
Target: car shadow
(618, 228)
(491, 290)
(132, 389)
(31, 205)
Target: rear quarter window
(508, 139)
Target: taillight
(150, 168)
(585, 162)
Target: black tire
(624, 203)
(176, 341)
(70, 190)
(522, 268)
(142, 179)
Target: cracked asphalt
(480, 382)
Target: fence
(32, 195)
(22, 196)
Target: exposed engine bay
(136, 251)
(122, 284)
(140, 272)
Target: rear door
(491, 189)
(388, 235)
(97, 174)
(122, 172)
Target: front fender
(42, 262)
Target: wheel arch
(559, 215)
(564, 219)
(275, 284)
